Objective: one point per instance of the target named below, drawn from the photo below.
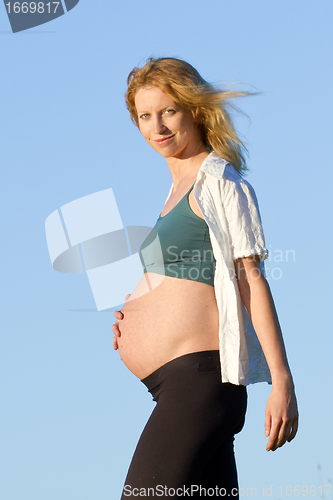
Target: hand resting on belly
(115, 327)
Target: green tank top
(184, 239)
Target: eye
(144, 116)
(170, 111)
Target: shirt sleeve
(243, 218)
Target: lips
(165, 140)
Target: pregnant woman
(207, 327)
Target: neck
(184, 170)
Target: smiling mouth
(164, 140)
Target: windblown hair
(209, 105)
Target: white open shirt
(229, 206)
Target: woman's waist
(144, 350)
(207, 361)
(197, 271)
(156, 288)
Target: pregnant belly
(174, 318)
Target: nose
(158, 125)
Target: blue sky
(71, 413)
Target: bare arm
(281, 415)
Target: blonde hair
(209, 105)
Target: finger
(127, 296)
(118, 315)
(294, 429)
(115, 329)
(273, 436)
(267, 424)
(284, 433)
(115, 343)
(289, 427)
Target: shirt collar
(214, 165)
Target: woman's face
(167, 127)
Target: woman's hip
(190, 385)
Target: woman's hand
(115, 327)
(281, 415)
